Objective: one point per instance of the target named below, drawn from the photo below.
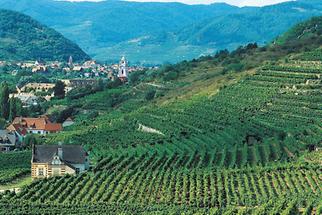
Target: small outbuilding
(58, 160)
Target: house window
(39, 132)
(40, 171)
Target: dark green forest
(22, 38)
(155, 33)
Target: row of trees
(9, 107)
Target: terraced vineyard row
(297, 103)
(207, 153)
(272, 207)
(277, 109)
(150, 180)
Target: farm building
(40, 125)
(8, 141)
(58, 160)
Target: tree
(59, 90)
(3, 123)
(114, 84)
(30, 140)
(4, 100)
(137, 76)
(63, 115)
(15, 108)
(100, 85)
(12, 108)
(150, 94)
(170, 76)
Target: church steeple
(123, 69)
(70, 61)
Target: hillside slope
(309, 32)
(230, 134)
(163, 32)
(22, 38)
(231, 100)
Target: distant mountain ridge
(163, 32)
(22, 38)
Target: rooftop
(72, 154)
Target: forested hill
(22, 38)
(152, 32)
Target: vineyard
(271, 207)
(148, 180)
(237, 152)
(239, 132)
(315, 55)
(212, 107)
(273, 115)
(13, 166)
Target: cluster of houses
(88, 69)
(55, 160)
(28, 93)
(13, 136)
(39, 66)
(47, 160)
(111, 71)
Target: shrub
(170, 76)
(150, 94)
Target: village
(82, 75)
(87, 69)
(54, 160)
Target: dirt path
(155, 85)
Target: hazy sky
(234, 2)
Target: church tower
(123, 70)
(70, 61)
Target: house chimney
(33, 148)
(60, 152)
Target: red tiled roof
(18, 128)
(41, 123)
(53, 127)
